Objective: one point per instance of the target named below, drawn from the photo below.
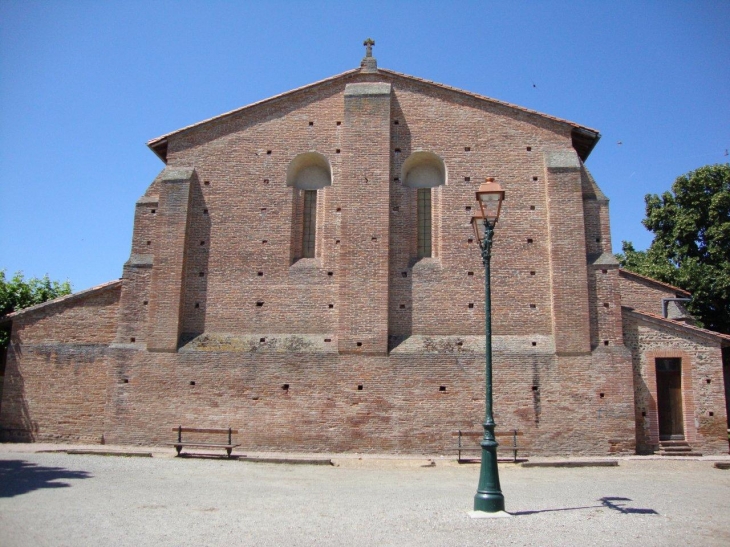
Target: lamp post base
(489, 496)
(489, 502)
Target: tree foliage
(691, 246)
(17, 293)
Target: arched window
(424, 171)
(308, 174)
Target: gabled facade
(303, 269)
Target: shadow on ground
(20, 477)
(614, 503)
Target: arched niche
(309, 171)
(423, 170)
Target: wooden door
(669, 399)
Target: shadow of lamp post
(489, 496)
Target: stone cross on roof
(368, 63)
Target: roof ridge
(159, 141)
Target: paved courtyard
(82, 500)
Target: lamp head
(490, 197)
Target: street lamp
(488, 498)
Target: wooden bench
(479, 435)
(180, 443)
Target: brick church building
(303, 269)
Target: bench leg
(178, 448)
(228, 451)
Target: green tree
(17, 293)
(691, 246)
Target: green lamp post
(489, 496)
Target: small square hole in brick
(146, 302)
(470, 240)
(459, 343)
(192, 382)
(395, 122)
(207, 182)
(643, 414)
(202, 274)
(605, 342)
(467, 149)
(338, 123)
(602, 395)
(469, 273)
(266, 181)
(311, 124)
(397, 150)
(442, 388)
(403, 306)
(534, 178)
(330, 274)
(396, 209)
(268, 152)
(328, 339)
(598, 240)
(153, 211)
(532, 272)
(205, 211)
(149, 243)
(202, 242)
(529, 148)
(339, 209)
(197, 305)
(330, 306)
(259, 304)
(534, 388)
(337, 150)
(533, 306)
(467, 179)
(529, 241)
(133, 339)
(532, 207)
(264, 241)
(262, 340)
(260, 274)
(359, 387)
(396, 179)
(604, 271)
(471, 305)
(708, 381)
(126, 381)
(467, 208)
(263, 209)
(373, 238)
(285, 387)
(606, 305)
(711, 413)
(404, 274)
(337, 241)
(534, 343)
(359, 344)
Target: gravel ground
(77, 500)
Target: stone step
(686, 454)
(686, 448)
(673, 443)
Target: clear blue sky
(84, 85)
